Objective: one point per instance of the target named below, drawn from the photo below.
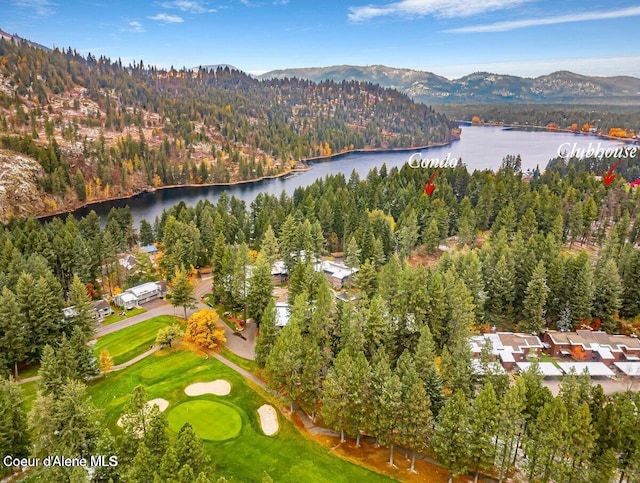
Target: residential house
(590, 345)
(127, 262)
(140, 294)
(510, 348)
(150, 250)
(338, 274)
(101, 309)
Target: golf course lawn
(128, 343)
(211, 420)
(287, 456)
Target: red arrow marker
(609, 177)
(430, 187)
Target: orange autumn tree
(204, 329)
(578, 353)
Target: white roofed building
(338, 274)
(508, 347)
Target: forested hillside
(88, 128)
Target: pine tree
(267, 336)
(269, 246)
(358, 395)
(260, 289)
(431, 237)
(607, 295)
(190, 451)
(367, 279)
(450, 438)
(169, 466)
(14, 434)
(631, 284)
(579, 283)
(483, 423)
(285, 361)
(335, 393)
(12, 331)
(142, 467)
(534, 302)
(86, 364)
(510, 425)
(415, 425)
(424, 357)
(182, 293)
(146, 233)
(388, 401)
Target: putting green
(210, 420)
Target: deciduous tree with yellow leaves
(204, 329)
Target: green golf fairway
(210, 420)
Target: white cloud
(166, 18)
(41, 8)
(191, 6)
(534, 22)
(134, 26)
(437, 8)
(280, 2)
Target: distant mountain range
(480, 87)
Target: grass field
(116, 317)
(287, 457)
(247, 364)
(132, 341)
(211, 421)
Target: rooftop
(593, 368)
(547, 369)
(595, 340)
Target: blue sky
(448, 37)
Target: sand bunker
(268, 419)
(162, 404)
(219, 388)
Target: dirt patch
(268, 419)
(377, 459)
(219, 387)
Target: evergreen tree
(14, 434)
(335, 393)
(269, 247)
(631, 286)
(431, 237)
(510, 426)
(579, 283)
(182, 293)
(146, 233)
(260, 289)
(534, 302)
(12, 331)
(367, 279)
(425, 356)
(267, 336)
(142, 467)
(450, 438)
(483, 423)
(190, 451)
(358, 395)
(285, 361)
(607, 294)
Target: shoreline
(305, 163)
(527, 127)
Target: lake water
(479, 148)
